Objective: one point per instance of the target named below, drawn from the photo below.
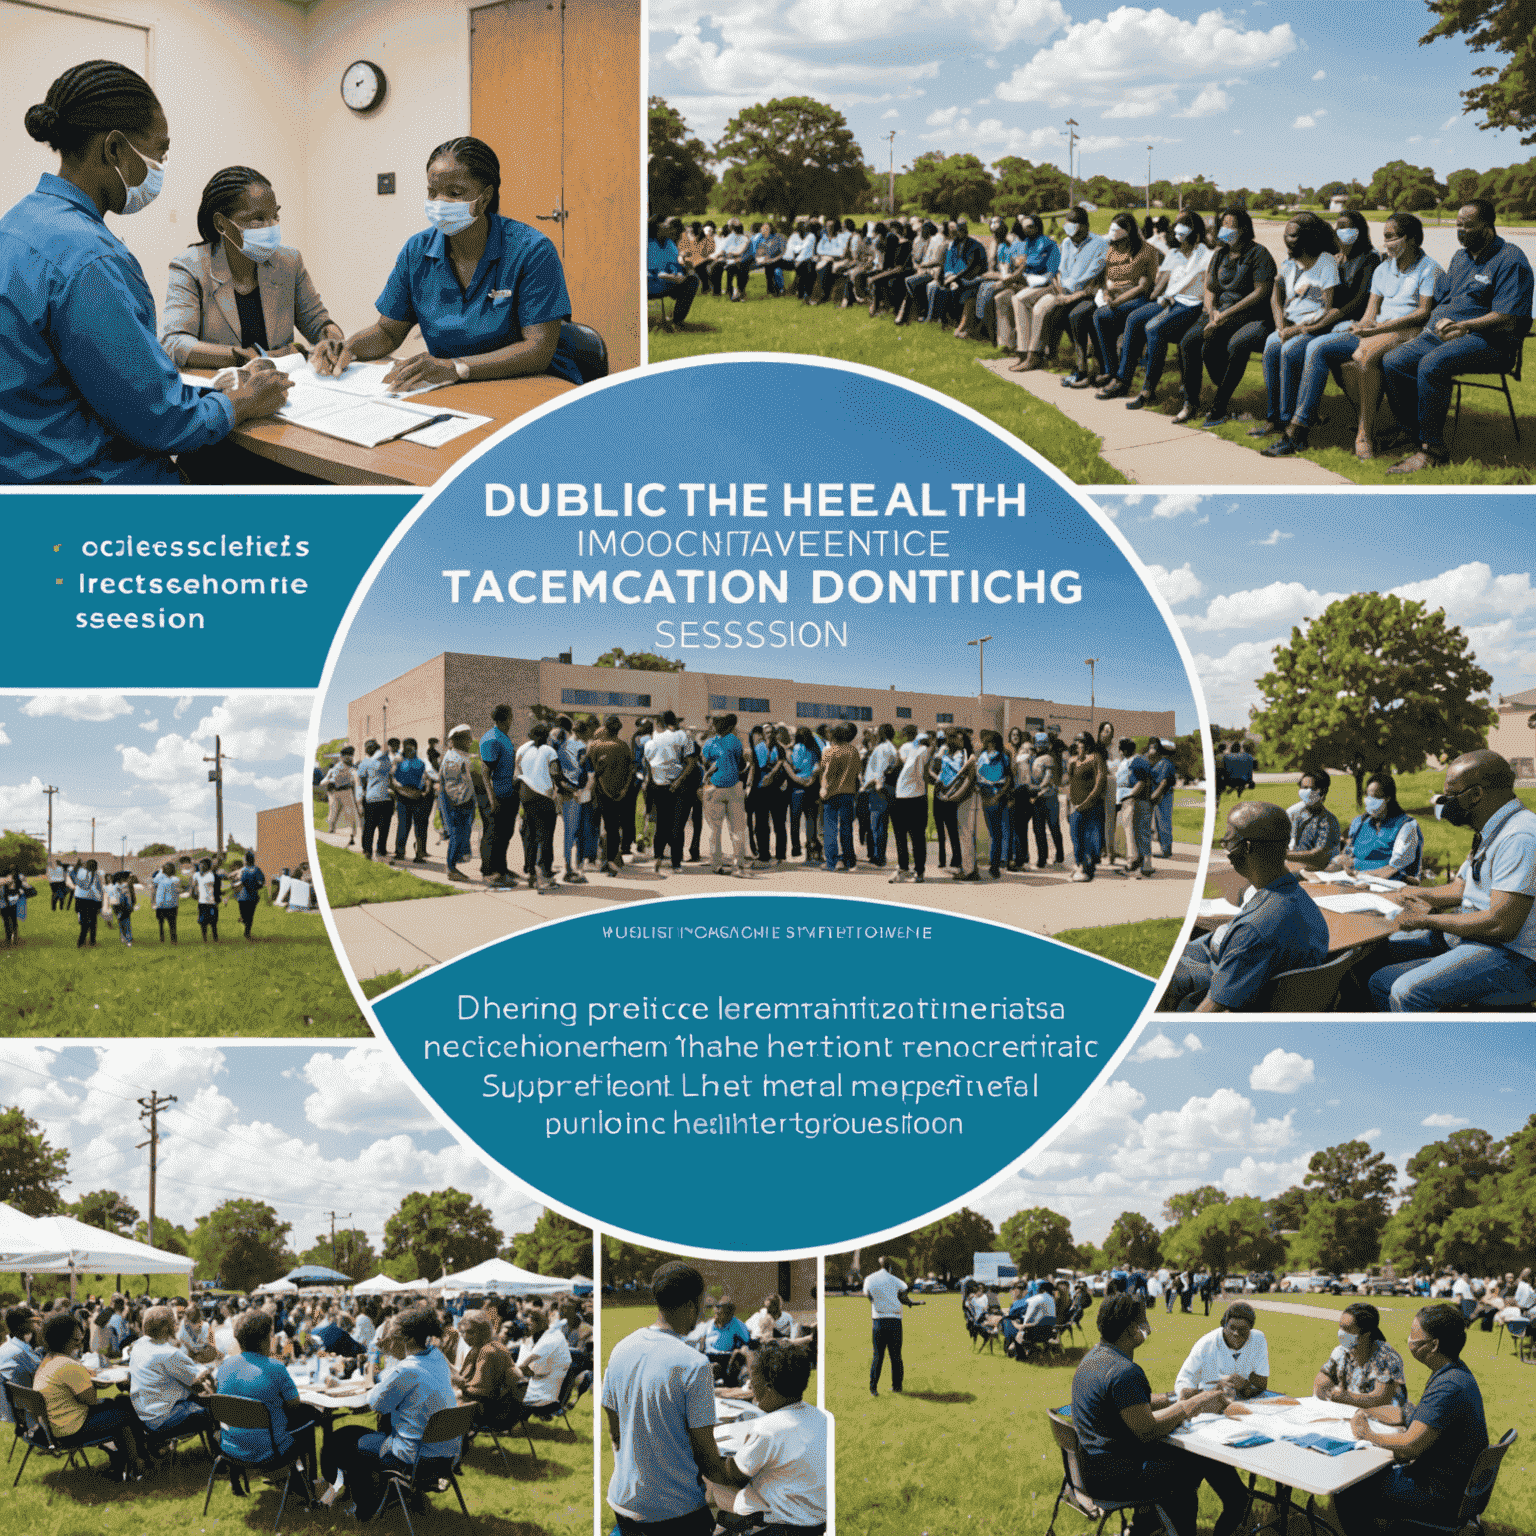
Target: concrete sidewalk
(1149, 448)
(406, 935)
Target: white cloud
(1211, 100)
(1176, 586)
(1322, 74)
(1158, 1048)
(5, 740)
(362, 1089)
(1450, 122)
(1271, 540)
(889, 113)
(1369, 1135)
(85, 707)
(1444, 1122)
(1304, 122)
(183, 704)
(149, 725)
(1104, 1116)
(1177, 504)
(1281, 602)
(1473, 591)
(1228, 680)
(944, 117)
(1187, 1141)
(1281, 1071)
(1416, 138)
(1193, 1043)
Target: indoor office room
(291, 166)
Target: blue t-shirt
(264, 1381)
(660, 256)
(1165, 772)
(1500, 279)
(1107, 1382)
(519, 283)
(500, 760)
(724, 761)
(1452, 1405)
(410, 771)
(249, 881)
(373, 776)
(803, 759)
(167, 890)
(961, 254)
(722, 1340)
(1279, 929)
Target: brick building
(280, 839)
(1514, 736)
(431, 698)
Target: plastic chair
(24, 1401)
(423, 1476)
(577, 1379)
(1479, 1490)
(1501, 388)
(159, 1441)
(1072, 1493)
(1311, 989)
(247, 1413)
(587, 347)
(975, 1332)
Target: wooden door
(555, 91)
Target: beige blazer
(200, 301)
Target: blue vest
(1372, 845)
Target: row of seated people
(1037, 1310)
(729, 1343)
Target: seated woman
(725, 1343)
(240, 291)
(1036, 260)
(1000, 244)
(488, 292)
(1397, 306)
(695, 250)
(1364, 1370)
(69, 1394)
(1385, 840)
(665, 276)
(488, 1376)
(1130, 270)
(1236, 320)
(887, 286)
(1301, 303)
(1171, 308)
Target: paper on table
(1361, 902)
(1335, 877)
(1218, 906)
(357, 379)
(443, 432)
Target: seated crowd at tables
(1037, 1309)
(1389, 320)
(1123, 1427)
(1467, 942)
(776, 797)
(510, 1358)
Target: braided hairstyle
(479, 159)
(95, 97)
(224, 192)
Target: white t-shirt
(224, 1339)
(664, 752)
(762, 1325)
(1525, 1295)
(884, 1291)
(545, 1362)
(1212, 1358)
(533, 765)
(1304, 288)
(1462, 1288)
(1401, 291)
(204, 885)
(785, 1455)
(1186, 274)
(879, 764)
(910, 782)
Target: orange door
(555, 91)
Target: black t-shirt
(1233, 275)
(253, 322)
(1355, 284)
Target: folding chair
(661, 299)
(247, 1413)
(1312, 989)
(577, 1379)
(975, 1332)
(1090, 1506)
(1501, 388)
(18, 1421)
(172, 1439)
(1468, 1521)
(508, 1421)
(423, 1476)
(1072, 1323)
(41, 1438)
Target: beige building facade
(1514, 737)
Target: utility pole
(216, 778)
(891, 186)
(1071, 171)
(50, 790)
(149, 1112)
(1093, 719)
(981, 662)
(332, 1215)
(1149, 180)
(93, 834)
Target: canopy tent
(67, 1244)
(25, 1242)
(505, 1279)
(283, 1287)
(317, 1274)
(379, 1285)
(581, 1285)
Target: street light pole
(981, 662)
(1093, 720)
(1071, 172)
(891, 184)
(1149, 181)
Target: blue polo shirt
(249, 881)
(1500, 279)
(1279, 929)
(1082, 261)
(722, 1340)
(1505, 861)
(519, 283)
(961, 254)
(660, 256)
(373, 775)
(87, 393)
(724, 761)
(1042, 256)
(500, 760)
(1165, 771)
(263, 1381)
(768, 247)
(410, 771)
(1452, 1406)
(410, 1392)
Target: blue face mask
(261, 244)
(1374, 805)
(451, 218)
(1347, 237)
(140, 197)
(1226, 236)
(1310, 796)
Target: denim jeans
(999, 833)
(800, 807)
(1154, 327)
(837, 825)
(1419, 376)
(1425, 975)
(1162, 819)
(412, 816)
(1223, 353)
(1283, 364)
(1109, 323)
(1046, 817)
(1324, 354)
(459, 821)
(879, 825)
(1087, 828)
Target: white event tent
(503, 1278)
(58, 1245)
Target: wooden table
(397, 463)
(1345, 929)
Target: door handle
(558, 214)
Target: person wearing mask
(927, 267)
(1481, 316)
(1280, 928)
(457, 792)
(1165, 775)
(977, 295)
(1363, 1370)
(1384, 841)
(1035, 261)
(694, 249)
(1236, 318)
(487, 292)
(881, 770)
(88, 395)
(831, 248)
(963, 798)
(540, 782)
(1302, 307)
(768, 252)
(1314, 828)
(965, 259)
(800, 252)
(1130, 273)
(665, 275)
(58, 885)
(1083, 255)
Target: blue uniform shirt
(724, 762)
(1107, 1382)
(519, 283)
(960, 255)
(1279, 929)
(1042, 256)
(660, 256)
(499, 759)
(410, 771)
(87, 393)
(721, 1340)
(373, 776)
(1500, 279)
(1081, 262)
(1452, 1406)
(264, 1381)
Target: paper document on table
(369, 422)
(358, 379)
(1335, 877)
(441, 432)
(1218, 906)
(1362, 902)
(1374, 883)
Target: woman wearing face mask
(1364, 1370)
(1301, 305)
(1130, 270)
(240, 292)
(1385, 841)
(1315, 835)
(88, 395)
(488, 292)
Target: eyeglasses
(1229, 842)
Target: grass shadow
(943, 1397)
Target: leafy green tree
(1397, 184)
(1268, 198)
(1351, 1171)
(1288, 1209)
(637, 661)
(1460, 187)
(946, 1247)
(1133, 1242)
(31, 1171)
(352, 1254)
(1466, 1172)
(444, 1230)
(20, 852)
(678, 178)
(1180, 1208)
(948, 187)
(104, 1208)
(1234, 1235)
(555, 1245)
(155, 850)
(628, 1261)
(1089, 1259)
(1023, 187)
(1201, 194)
(243, 1243)
(1510, 188)
(1338, 1235)
(1374, 682)
(1349, 1202)
(1506, 97)
(792, 155)
(1106, 192)
(1038, 1240)
(167, 1236)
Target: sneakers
(901, 877)
(1080, 877)
(573, 877)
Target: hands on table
(419, 372)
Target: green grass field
(347, 879)
(285, 983)
(1144, 947)
(965, 1448)
(550, 1498)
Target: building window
(740, 705)
(945, 719)
(1033, 723)
(592, 698)
(833, 712)
(903, 714)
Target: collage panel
(711, 1392)
(244, 1279)
(1232, 1294)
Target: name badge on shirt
(501, 293)
(1481, 278)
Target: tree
(1038, 1240)
(1268, 198)
(1351, 1171)
(556, 1245)
(1023, 187)
(352, 1253)
(947, 1247)
(31, 1171)
(1200, 194)
(1507, 96)
(1350, 1189)
(1374, 682)
(443, 1230)
(155, 850)
(1510, 188)
(104, 1208)
(1287, 1210)
(20, 852)
(1400, 185)
(167, 1236)
(637, 661)
(623, 1262)
(678, 177)
(1232, 1235)
(947, 186)
(1133, 1242)
(1465, 1172)
(1180, 1208)
(789, 156)
(242, 1243)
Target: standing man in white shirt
(909, 807)
(1234, 1357)
(664, 754)
(881, 770)
(887, 1294)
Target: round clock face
(362, 86)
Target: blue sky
(1245, 1110)
(135, 763)
(307, 1128)
(1275, 94)
(1239, 570)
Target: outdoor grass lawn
(965, 1447)
(286, 983)
(347, 879)
(1143, 947)
(552, 1498)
